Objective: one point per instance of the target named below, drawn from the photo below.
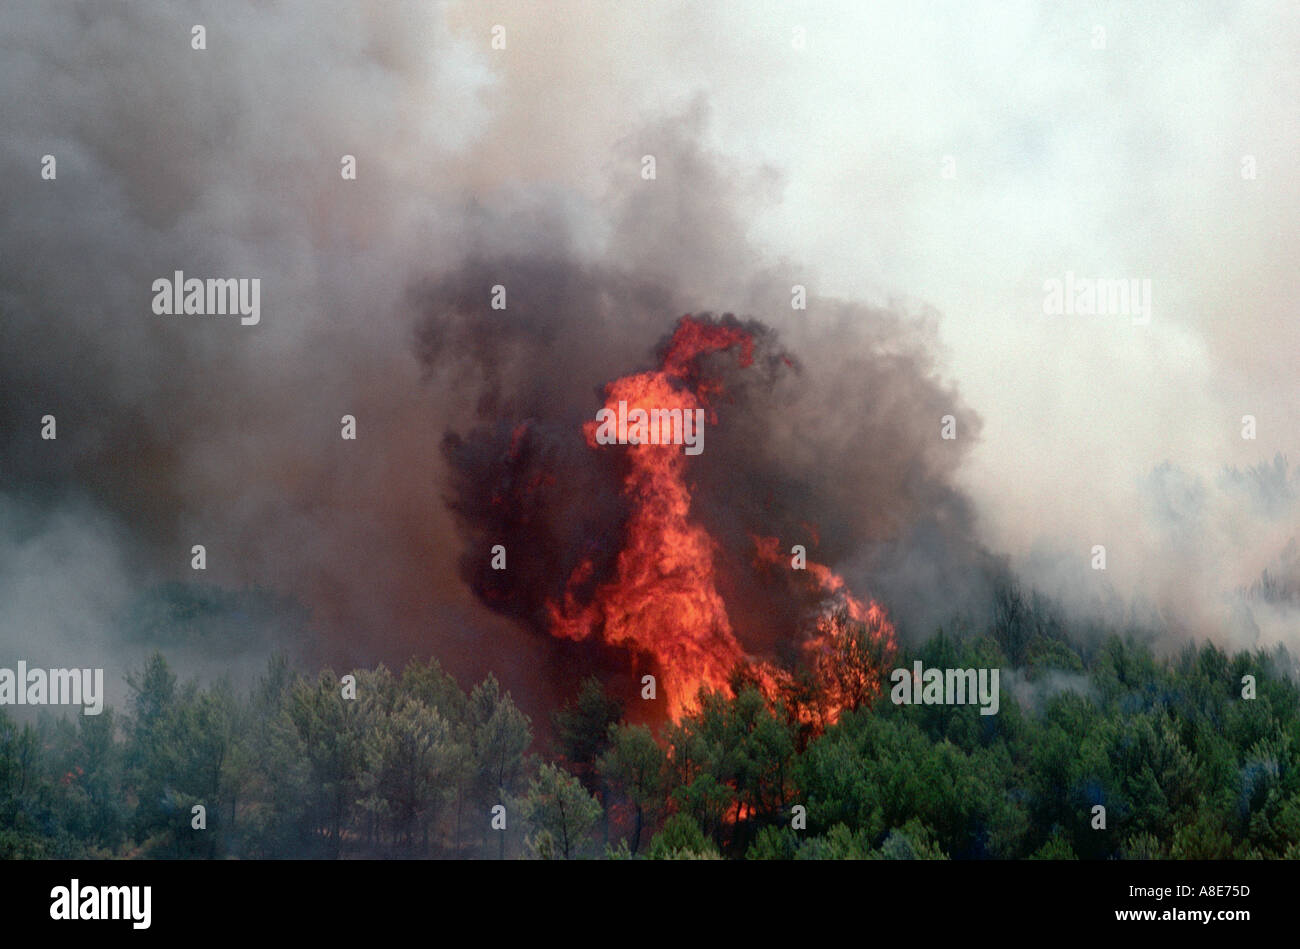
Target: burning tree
(663, 598)
(850, 657)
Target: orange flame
(663, 597)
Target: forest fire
(663, 596)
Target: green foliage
(620, 852)
(410, 753)
(499, 734)
(1185, 767)
(180, 755)
(914, 841)
(331, 733)
(774, 843)
(874, 773)
(582, 727)
(561, 812)
(735, 757)
(636, 767)
(839, 843)
(1057, 847)
(682, 839)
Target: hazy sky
(1122, 161)
(818, 139)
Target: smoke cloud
(521, 168)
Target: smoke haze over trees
(416, 766)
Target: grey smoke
(182, 430)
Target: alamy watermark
(921, 686)
(75, 901)
(212, 297)
(1098, 296)
(651, 427)
(23, 686)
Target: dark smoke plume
(174, 431)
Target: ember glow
(663, 598)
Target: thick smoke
(1203, 557)
(473, 171)
(838, 450)
(175, 431)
